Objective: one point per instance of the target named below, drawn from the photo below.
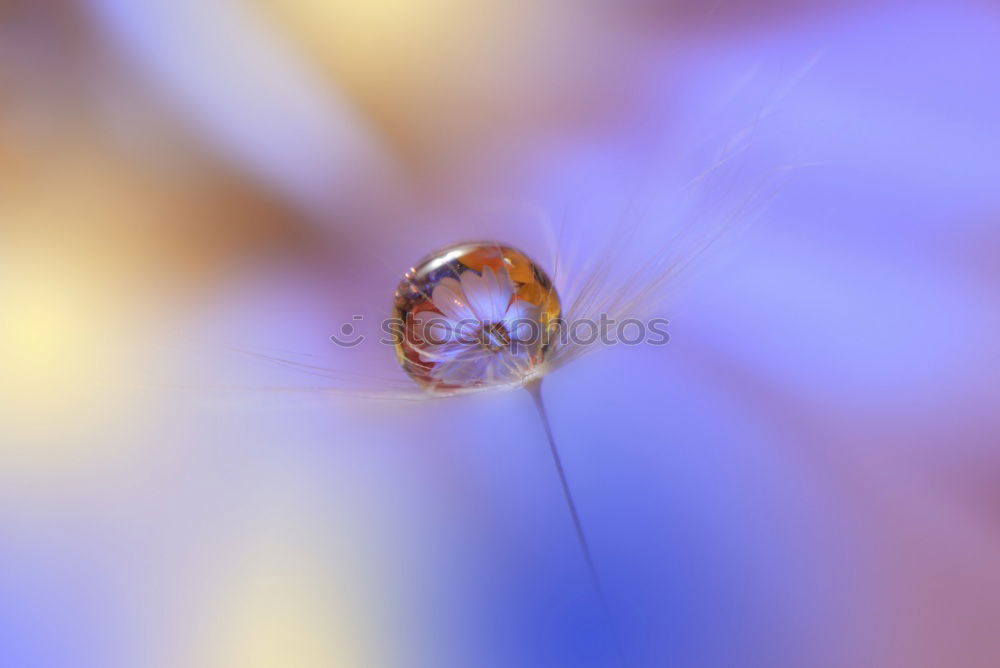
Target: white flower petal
(500, 289)
(445, 353)
(505, 284)
(463, 370)
(436, 328)
(478, 295)
(521, 320)
(450, 300)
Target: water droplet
(475, 314)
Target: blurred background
(808, 475)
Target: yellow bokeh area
(52, 315)
(73, 309)
(107, 234)
(279, 611)
(61, 356)
(442, 78)
(282, 592)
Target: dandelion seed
(478, 315)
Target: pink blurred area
(806, 476)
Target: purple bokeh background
(807, 475)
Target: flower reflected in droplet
(475, 315)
